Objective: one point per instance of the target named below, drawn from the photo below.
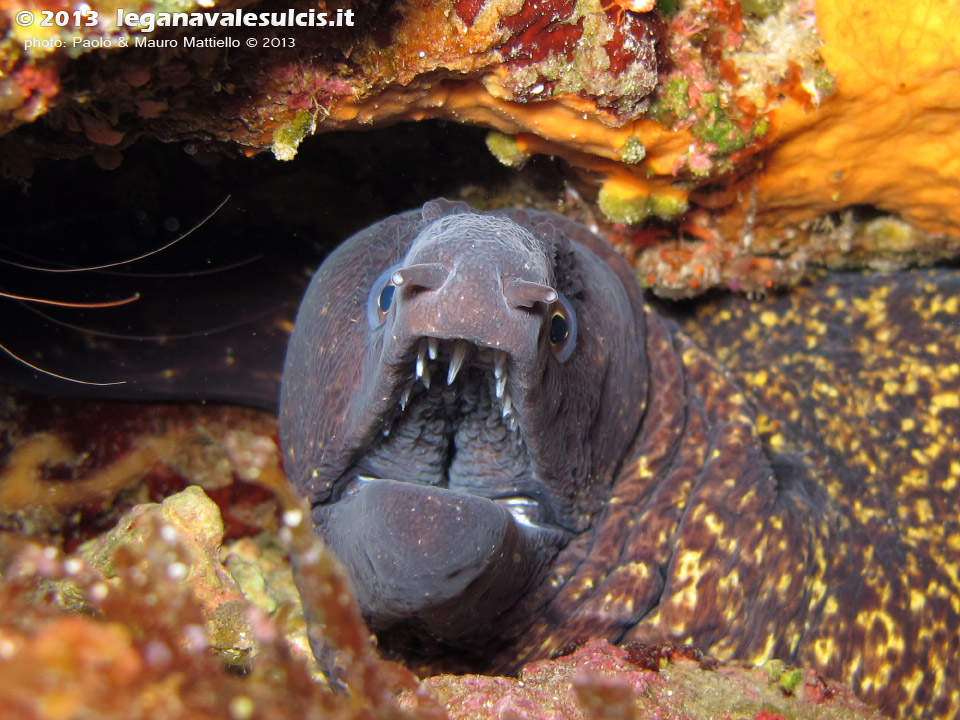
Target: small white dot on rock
(293, 518)
(98, 591)
(241, 708)
(195, 638)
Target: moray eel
(511, 453)
(451, 407)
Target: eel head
(453, 407)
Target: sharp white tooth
(499, 364)
(507, 405)
(512, 423)
(405, 398)
(425, 378)
(422, 359)
(386, 432)
(432, 345)
(524, 510)
(501, 386)
(456, 360)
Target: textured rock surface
(738, 126)
(599, 680)
(192, 521)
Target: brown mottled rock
(599, 680)
(192, 521)
(135, 646)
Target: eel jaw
(446, 565)
(445, 557)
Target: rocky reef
(720, 143)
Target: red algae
(539, 30)
(467, 10)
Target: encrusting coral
(736, 124)
(136, 643)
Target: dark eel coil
(511, 453)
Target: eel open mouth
(442, 522)
(459, 393)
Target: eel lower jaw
(437, 547)
(443, 564)
(526, 511)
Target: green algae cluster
(504, 148)
(630, 211)
(721, 125)
(713, 120)
(671, 103)
(287, 137)
(633, 151)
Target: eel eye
(381, 297)
(563, 329)
(559, 328)
(386, 298)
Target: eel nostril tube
(429, 276)
(523, 293)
